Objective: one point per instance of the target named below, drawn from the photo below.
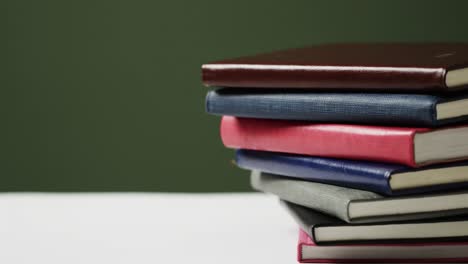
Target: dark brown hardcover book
(406, 67)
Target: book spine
(297, 193)
(401, 109)
(304, 240)
(351, 174)
(385, 144)
(329, 77)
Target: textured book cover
(364, 175)
(358, 206)
(309, 252)
(386, 67)
(358, 108)
(329, 199)
(409, 146)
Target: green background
(105, 95)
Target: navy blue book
(384, 178)
(414, 110)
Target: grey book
(324, 229)
(352, 205)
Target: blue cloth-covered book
(414, 110)
(384, 178)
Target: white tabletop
(144, 228)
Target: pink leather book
(404, 145)
(452, 252)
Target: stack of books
(364, 144)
